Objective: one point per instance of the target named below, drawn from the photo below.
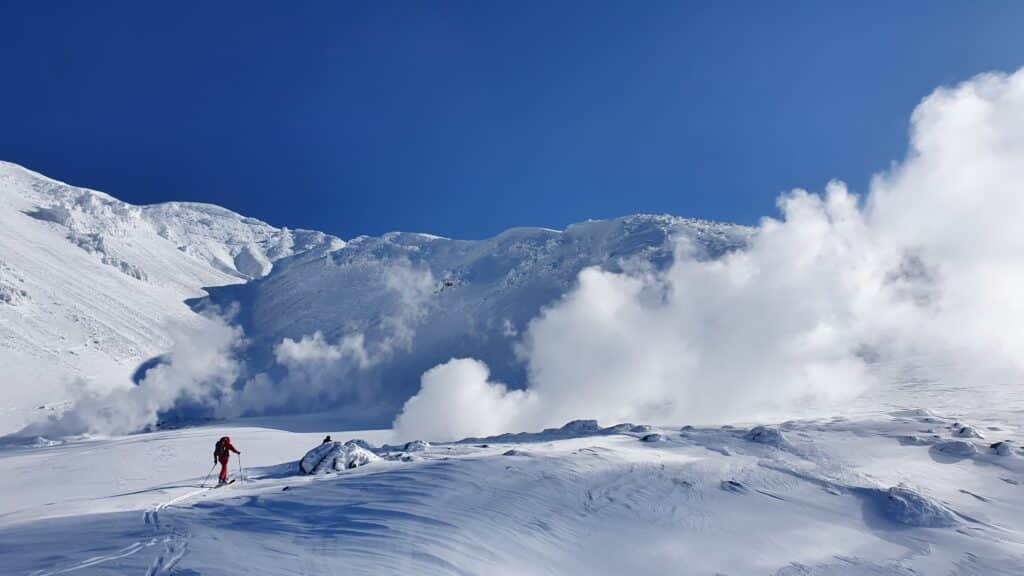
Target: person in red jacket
(221, 453)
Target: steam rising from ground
(825, 303)
(205, 368)
(200, 368)
(320, 375)
(458, 400)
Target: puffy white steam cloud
(200, 368)
(829, 301)
(826, 302)
(463, 388)
(205, 369)
(317, 373)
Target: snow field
(819, 497)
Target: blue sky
(465, 118)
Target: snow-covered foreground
(901, 493)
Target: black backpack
(221, 449)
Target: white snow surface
(93, 288)
(831, 496)
(409, 302)
(336, 457)
(90, 286)
(923, 475)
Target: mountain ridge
(91, 286)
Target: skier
(326, 440)
(221, 453)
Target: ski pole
(241, 475)
(208, 475)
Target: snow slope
(90, 286)
(417, 300)
(900, 493)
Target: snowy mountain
(834, 392)
(416, 300)
(90, 285)
(92, 288)
(922, 475)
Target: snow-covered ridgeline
(90, 286)
(414, 301)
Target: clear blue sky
(465, 118)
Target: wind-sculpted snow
(906, 506)
(955, 449)
(1004, 448)
(966, 431)
(840, 496)
(768, 435)
(416, 446)
(334, 457)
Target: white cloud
(457, 399)
(825, 303)
(317, 374)
(205, 369)
(200, 368)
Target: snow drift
(336, 457)
(841, 496)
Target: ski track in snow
(123, 553)
(88, 283)
(174, 542)
(177, 540)
(811, 497)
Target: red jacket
(223, 449)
